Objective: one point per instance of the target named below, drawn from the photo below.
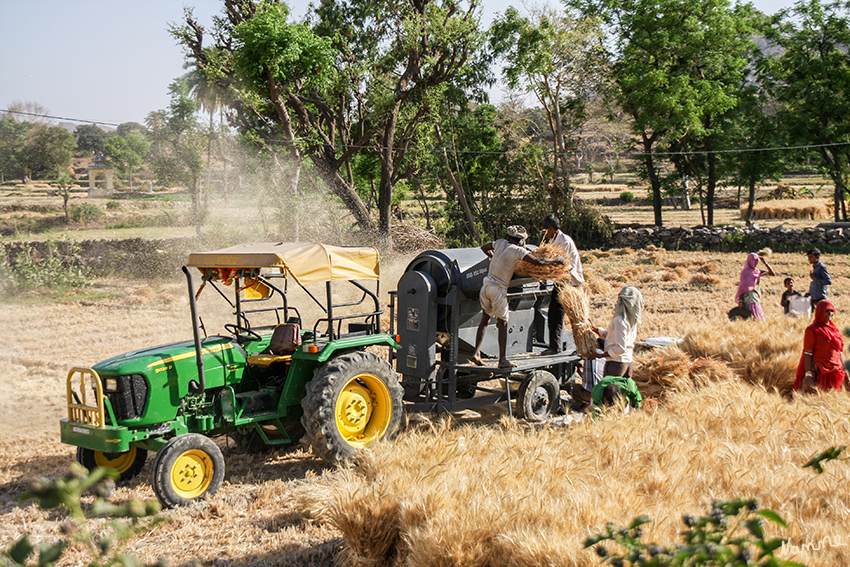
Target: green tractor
(265, 381)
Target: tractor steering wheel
(241, 333)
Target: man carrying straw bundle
(505, 254)
(552, 235)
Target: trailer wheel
(187, 468)
(128, 464)
(538, 397)
(353, 401)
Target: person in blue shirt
(819, 276)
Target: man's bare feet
(476, 360)
(505, 363)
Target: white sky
(112, 60)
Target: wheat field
(447, 492)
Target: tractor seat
(285, 339)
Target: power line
(481, 152)
(57, 117)
(622, 155)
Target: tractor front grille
(130, 396)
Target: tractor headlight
(110, 384)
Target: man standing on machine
(552, 234)
(504, 254)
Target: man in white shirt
(504, 254)
(552, 234)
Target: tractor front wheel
(353, 401)
(187, 468)
(539, 396)
(128, 464)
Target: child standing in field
(789, 292)
(748, 295)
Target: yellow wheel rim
(363, 410)
(192, 473)
(120, 462)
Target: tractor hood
(160, 357)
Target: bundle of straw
(551, 272)
(577, 309)
(668, 370)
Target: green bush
(627, 196)
(28, 272)
(587, 226)
(731, 534)
(84, 212)
(113, 205)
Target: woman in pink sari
(749, 293)
(821, 367)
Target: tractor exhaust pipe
(196, 332)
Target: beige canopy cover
(306, 263)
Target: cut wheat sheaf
(573, 299)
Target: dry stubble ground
(257, 518)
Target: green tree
(754, 128)
(714, 52)
(177, 146)
(90, 138)
(677, 67)
(31, 150)
(65, 181)
(362, 76)
(12, 133)
(559, 58)
(48, 148)
(125, 128)
(811, 77)
(259, 61)
(125, 153)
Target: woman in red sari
(821, 367)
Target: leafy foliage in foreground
(714, 539)
(831, 454)
(64, 494)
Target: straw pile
(791, 209)
(628, 274)
(551, 272)
(577, 309)
(760, 352)
(412, 238)
(706, 280)
(668, 370)
(764, 353)
(517, 497)
(597, 286)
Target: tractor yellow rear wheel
(187, 468)
(353, 401)
(128, 464)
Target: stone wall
(143, 257)
(753, 236)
